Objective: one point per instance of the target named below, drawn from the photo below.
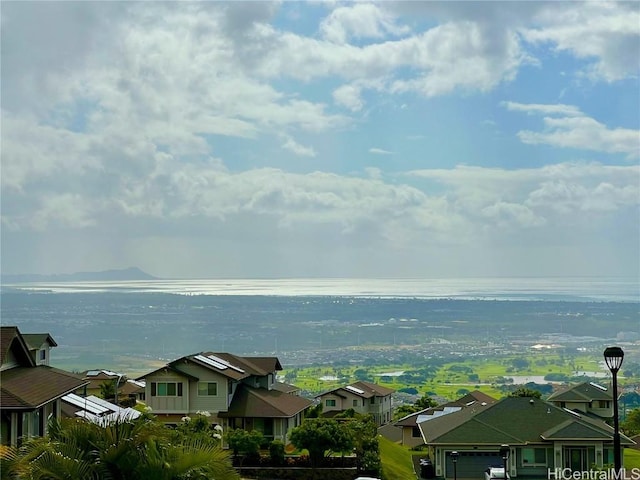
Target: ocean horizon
(612, 289)
(133, 325)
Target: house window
(373, 400)
(43, 354)
(415, 432)
(534, 456)
(207, 389)
(355, 403)
(166, 389)
(330, 403)
(603, 403)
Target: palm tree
(122, 450)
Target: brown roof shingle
(263, 403)
(31, 387)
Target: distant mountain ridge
(131, 273)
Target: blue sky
(331, 139)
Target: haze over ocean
(620, 289)
(131, 325)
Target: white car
(495, 473)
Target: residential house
(362, 397)
(238, 392)
(132, 390)
(411, 434)
(541, 437)
(588, 398)
(30, 389)
(97, 378)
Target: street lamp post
(613, 356)
(454, 459)
(504, 453)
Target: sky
(321, 139)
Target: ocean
(134, 325)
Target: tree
(322, 437)
(364, 431)
(526, 392)
(362, 375)
(132, 450)
(108, 389)
(631, 425)
(520, 363)
(245, 443)
(426, 402)
(314, 412)
(422, 403)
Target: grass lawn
(448, 379)
(631, 458)
(397, 463)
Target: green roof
(514, 420)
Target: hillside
(131, 273)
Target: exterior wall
(606, 412)
(160, 404)
(409, 440)
(264, 382)
(339, 406)
(212, 404)
(526, 469)
(43, 351)
(381, 409)
(557, 458)
(9, 361)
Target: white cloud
(380, 151)
(606, 32)
(585, 133)
(462, 55)
(575, 130)
(362, 20)
(548, 195)
(531, 108)
(349, 96)
(155, 121)
(293, 146)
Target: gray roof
(514, 420)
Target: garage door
(473, 464)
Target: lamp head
(613, 357)
(454, 455)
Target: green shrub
(276, 452)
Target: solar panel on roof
(354, 389)
(224, 362)
(572, 412)
(103, 403)
(604, 389)
(85, 404)
(211, 362)
(93, 373)
(87, 415)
